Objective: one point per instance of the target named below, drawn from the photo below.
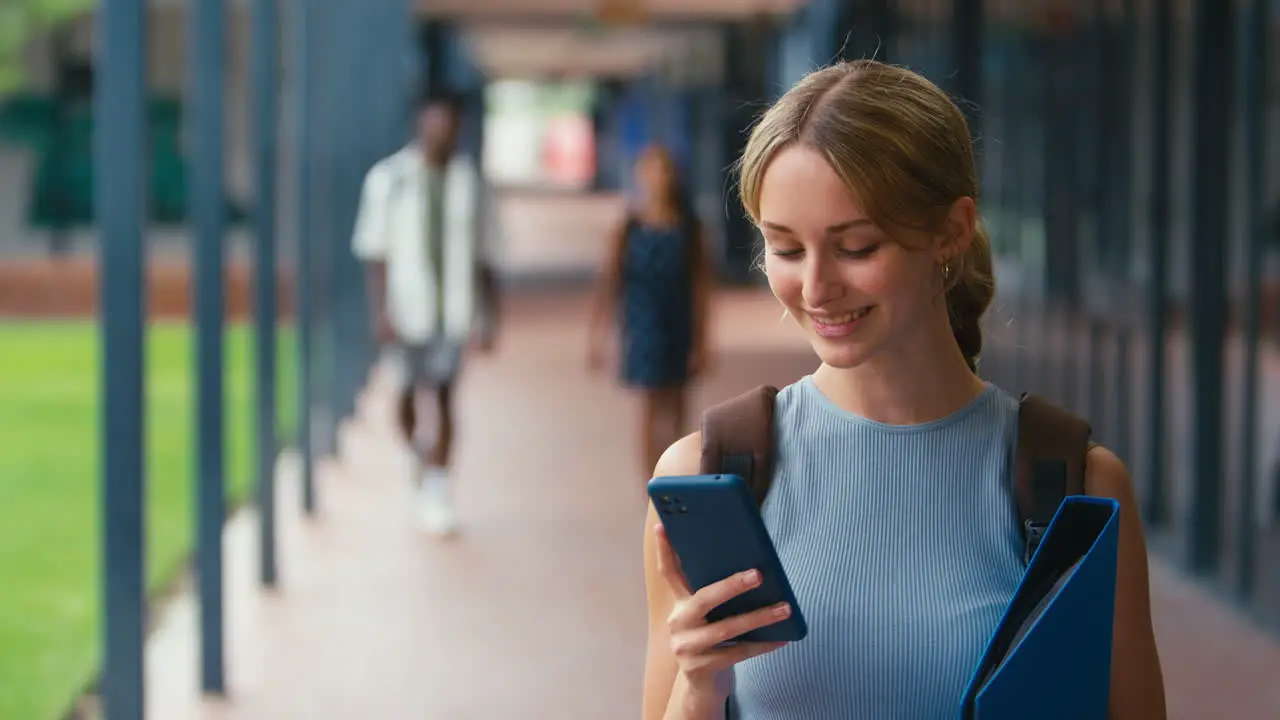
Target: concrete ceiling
(512, 51)
(538, 38)
(508, 10)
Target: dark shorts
(432, 364)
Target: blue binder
(1050, 656)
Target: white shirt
(391, 226)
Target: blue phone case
(716, 530)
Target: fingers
(669, 565)
(718, 593)
(716, 633)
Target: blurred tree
(60, 168)
(20, 20)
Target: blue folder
(1050, 656)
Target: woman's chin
(841, 355)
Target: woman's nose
(822, 282)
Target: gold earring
(946, 272)
(785, 314)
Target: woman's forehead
(800, 187)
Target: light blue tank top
(903, 547)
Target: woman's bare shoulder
(682, 457)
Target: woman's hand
(698, 645)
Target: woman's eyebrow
(831, 229)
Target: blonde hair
(903, 148)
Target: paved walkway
(537, 610)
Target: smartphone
(716, 530)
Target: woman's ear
(957, 230)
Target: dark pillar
(206, 32)
(743, 96)
(356, 125)
(1157, 303)
(119, 146)
(303, 22)
(1100, 188)
(433, 41)
(1123, 37)
(602, 127)
(265, 18)
(1211, 126)
(966, 48)
(863, 30)
(323, 73)
(1254, 107)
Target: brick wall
(68, 288)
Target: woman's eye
(861, 253)
(784, 252)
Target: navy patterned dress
(656, 308)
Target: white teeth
(844, 319)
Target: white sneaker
(434, 504)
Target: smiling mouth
(839, 325)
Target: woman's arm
(607, 287)
(665, 696)
(1137, 684)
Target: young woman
(891, 502)
(657, 282)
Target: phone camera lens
(675, 500)
(683, 509)
(666, 499)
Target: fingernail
(751, 577)
(782, 610)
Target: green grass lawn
(49, 491)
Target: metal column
(604, 124)
(354, 112)
(1061, 153)
(743, 91)
(966, 49)
(119, 145)
(1124, 39)
(339, 106)
(321, 71)
(206, 26)
(1100, 187)
(1030, 186)
(1157, 305)
(432, 40)
(880, 16)
(863, 30)
(304, 53)
(1254, 107)
(1211, 30)
(265, 18)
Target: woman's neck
(658, 211)
(926, 381)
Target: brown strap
(737, 439)
(1050, 463)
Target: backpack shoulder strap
(737, 439)
(1049, 465)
